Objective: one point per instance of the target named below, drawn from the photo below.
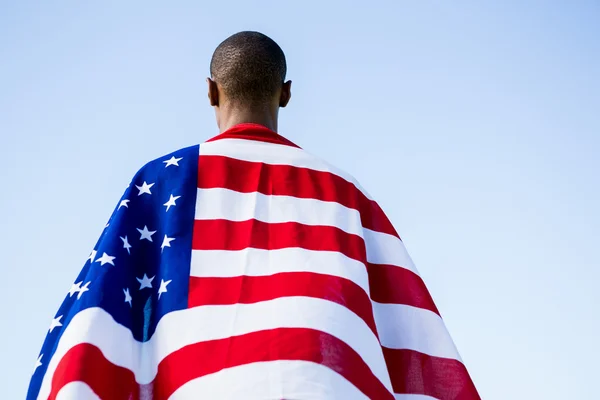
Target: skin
(229, 113)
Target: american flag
(246, 268)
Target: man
(245, 268)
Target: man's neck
(230, 117)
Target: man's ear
(213, 92)
(286, 94)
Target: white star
(126, 244)
(146, 234)
(145, 188)
(83, 289)
(127, 296)
(145, 282)
(171, 202)
(75, 288)
(166, 242)
(55, 323)
(163, 287)
(173, 161)
(38, 363)
(92, 256)
(123, 203)
(106, 259)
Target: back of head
(249, 67)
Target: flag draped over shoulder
(245, 268)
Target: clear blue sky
(476, 125)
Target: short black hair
(249, 67)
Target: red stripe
(392, 284)
(253, 289)
(208, 357)
(287, 180)
(250, 131)
(277, 344)
(86, 363)
(387, 283)
(220, 234)
(417, 373)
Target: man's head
(248, 72)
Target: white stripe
(271, 380)
(76, 391)
(381, 248)
(400, 326)
(181, 328)
(413, 328)
(259, 262)
(414, 397)
(227, 204)
(274, 154)
(387, 249)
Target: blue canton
(140, 268)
